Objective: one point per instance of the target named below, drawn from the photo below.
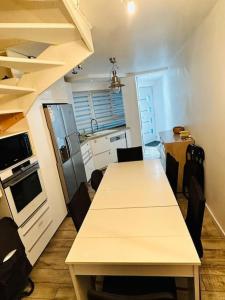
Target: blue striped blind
(104, 106)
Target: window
(104, 106)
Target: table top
(170, 250)
(151, 231)
(134, 222)
(134, 184)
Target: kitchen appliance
(24, 190)
(14, 149)
(65, 138)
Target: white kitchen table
(132, 238)
(134, 184)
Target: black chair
(135, 288)
(129, 154)
(195, 214)
(14, 271)
(172, 167)
(96, 178)
(79, 205)
(195, 157)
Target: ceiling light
(115, 85)
(131, 6)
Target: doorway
(145, 95)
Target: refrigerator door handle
(68, 146)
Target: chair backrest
(195, 157)
(172, 167)
(195, 214)
(129, 154)
(96, 178)
(79, 205)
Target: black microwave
(14, 149)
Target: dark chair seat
(96, 178)
(79, 205)
(129, 154)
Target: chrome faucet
(96, 123)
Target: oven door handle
(14, 179)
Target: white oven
(24, 189)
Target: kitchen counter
(102, 134)
(169, 137)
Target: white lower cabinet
(88, 160)
(89, 168)
(35, 231)
(102, 160)
(100, 145)
(117, 141)
(100, 152)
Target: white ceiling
(144, 41)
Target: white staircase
(55, 30)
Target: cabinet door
(117, 141)
(102, 160)
(100, 145)
(128, 138)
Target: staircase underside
(55, 38)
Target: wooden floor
(52, 279)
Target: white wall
(89, 86)
(131, 110)
(195, 96)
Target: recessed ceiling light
(131, 7)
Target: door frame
(153, 106)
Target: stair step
(50, 33)
(26, 64)
(11, 89)
(10, 111)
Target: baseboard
(214, 218)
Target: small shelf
(17, 90)
(10, 111)
(8, 134)
(50, 33)
(26, 64)
(8, 118)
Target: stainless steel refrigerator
(65, 138)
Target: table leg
(81, 284)
(196, 283)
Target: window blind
(104, 106)
(82, 110)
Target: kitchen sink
(102, 132)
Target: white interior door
(146, 113)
